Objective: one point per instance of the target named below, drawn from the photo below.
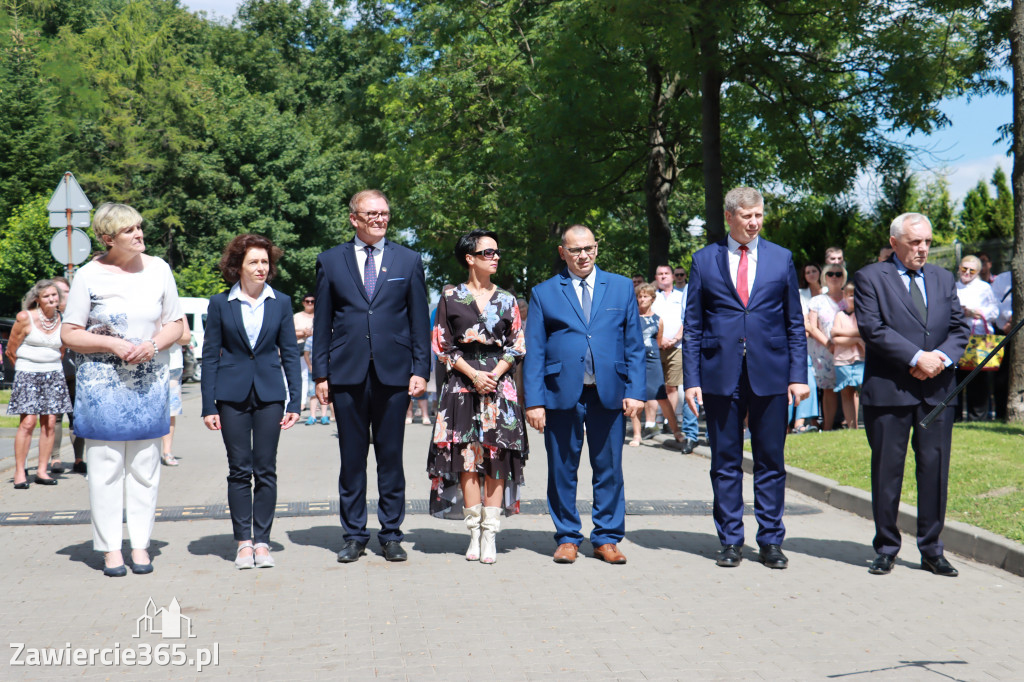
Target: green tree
(25, 252)
(573, 108)
(32, 139)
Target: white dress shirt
(252, 313)
(734, 261)
(588, 379)
(378, 253)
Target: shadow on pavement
(699, 544)
(844, 551)
(326, 537)
(224, 546)
(83, 553)
(433, 541)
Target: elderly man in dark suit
(371, 351)
(745, 357)
(914, 333)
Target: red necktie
(741, 277)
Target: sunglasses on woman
(833, 274)
(488, 253)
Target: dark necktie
(916, 296)
(588, 361)
(741, 276)
(370, 273)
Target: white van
(195, 313)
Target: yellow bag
(979, 347)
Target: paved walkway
(670, 613)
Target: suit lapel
(385, 264)
(723, 265)
(931, 285)
(236, 314)
(269, 309)
(600, 288)
(349, 254)
(761, 273)
(895, 283)
(570, 293)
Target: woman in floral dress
(479, 437)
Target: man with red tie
(745, 358)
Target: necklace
(48, 324)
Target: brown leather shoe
(566, 553)
(609, 553)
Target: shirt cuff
(913, 360)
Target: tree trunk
(1015, 397)
(661, 172)
(711, 136)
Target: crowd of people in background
(599, 352)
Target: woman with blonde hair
(123, 315)
(821, 313)
(39, 387)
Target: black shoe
(939, 566)
(21, 486)
(687, 446)
(351, 552)
(393, 551)
(665, 429)
(115, 571)
(882, 564)
(772, 556)
(79, 467)
(730, 556)
(46, 481)
(56, 468)
(142, 569)
(647, 433)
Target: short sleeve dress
(115, 400)
(476, 433)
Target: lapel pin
(383, 270)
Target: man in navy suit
(584, 368)
(914, 333)
(745, 357)
(371, 352)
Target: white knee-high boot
(490, 525)
(472, 517)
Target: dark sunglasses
(488, 253)
(308, 300)
(833, 274)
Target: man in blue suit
(745, 358)
(371, 351)
(914, 333)
(584, 368)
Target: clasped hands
(134, 353)
(929, 365)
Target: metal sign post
(69, 208)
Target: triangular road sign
(69, 194)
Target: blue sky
(966, 150)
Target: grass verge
(986, 472)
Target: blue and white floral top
(117, 401)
